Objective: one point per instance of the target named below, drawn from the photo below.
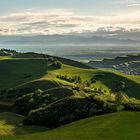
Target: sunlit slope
(46, 82)
(107, 81)
(115, 126)
(8, 123)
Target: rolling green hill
(35, 84)
(115, 126)
(34, 73)
(14, 72)
(107, 81)
(10, 124)
(44, 56)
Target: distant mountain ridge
(64, 39)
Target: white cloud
(58, 21)
(134, 5)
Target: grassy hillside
(44, 56)
(27, 69)
(34, 73)
(59, 95)
(40, 84)
(15, 72)
(10, 124)
(106, 82)
(115, 126)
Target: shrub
(93, 81)
(56, 64)
(132, 106)
(120, 86)
(76, 88)
(119, 98)
(38, 91)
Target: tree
(120, 86)
(57, 64)
(38, 91)
(87, 84)
(119, 98)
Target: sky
(31, 17)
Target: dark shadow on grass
(16, 121)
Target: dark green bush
(56, 64)
(120, 86)
(132, 107)
(73, 79)
(66, 111)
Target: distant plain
(79, 52)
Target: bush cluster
(6, 52)
(73, 79)
(68, 110)
(120, 86)
(56, 64)
(39, 98)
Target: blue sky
(90, 7)
(68, 16)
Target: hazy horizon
(73, 28)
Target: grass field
(115, 126)
(13, 71)
(10, 124)
(107, 81)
